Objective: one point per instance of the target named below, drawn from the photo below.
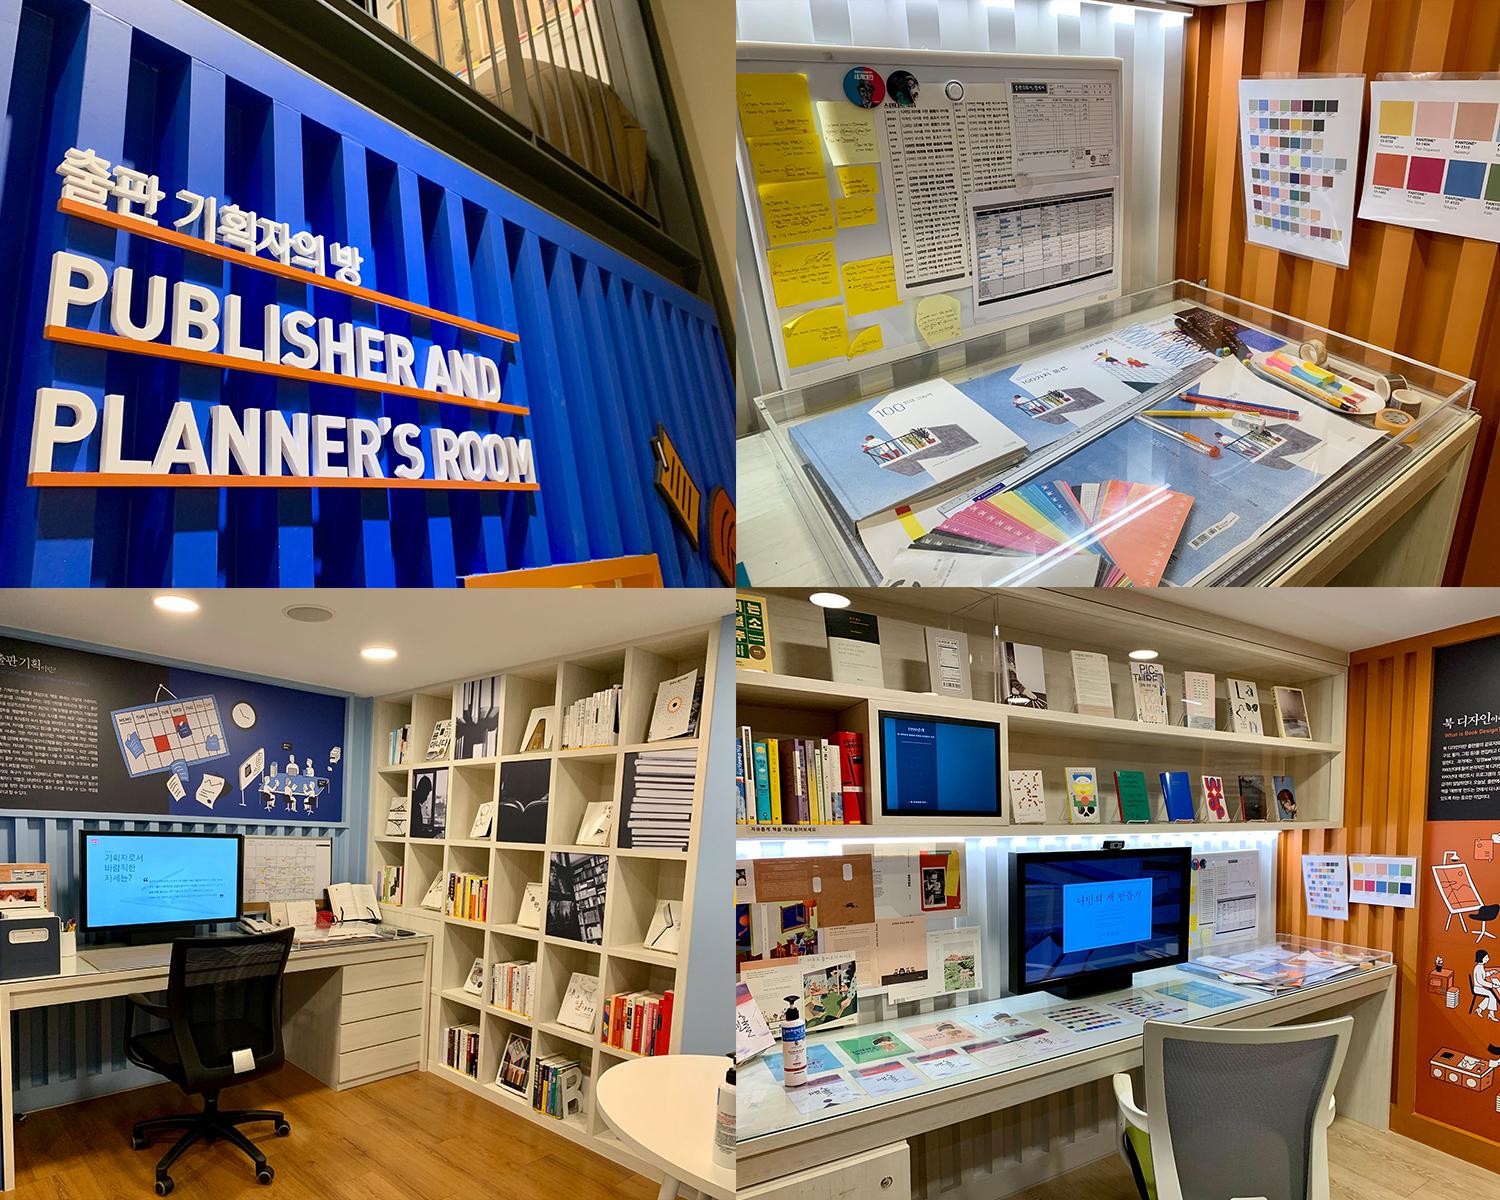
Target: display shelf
(1050, 740)
(578, 777)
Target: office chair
(223, 997)
(1233, 1112)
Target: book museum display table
(1056, 453)
(871, 1087)
(663, 1110)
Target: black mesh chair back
(226, 992)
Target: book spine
(664, 1035)
(773, 771)
(762, 783)
(815, 796)
(739, 777)
(852, 774)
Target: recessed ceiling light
(1143, 655)
(175, 604)
(829, 600)
(309, 613)
(378, 653)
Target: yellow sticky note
(859, 181)
(802, 274)
(772, 105)
(937, 319)
(848, 132)
(865, 340)
(856, 210)
(870, 283)
(814, 336)
(796, 212)
(789, 156)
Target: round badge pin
(864, 87)
(903, 88)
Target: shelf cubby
(575, 778)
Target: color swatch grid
(1387, 880)
(1450, 143)
(1284, 141)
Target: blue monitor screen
(159, 879)
(934, 766)
(1076, 913)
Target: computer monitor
(939, 767)
(1082, 921)
(134, 882)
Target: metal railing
(558, 67)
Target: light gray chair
(1234, 1114)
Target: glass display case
(1173, 436)
(856, 1068)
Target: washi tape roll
(1393, 420)
(1386, 384)
(1314, 351)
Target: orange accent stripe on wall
(110, 479)
(210, 358)
(632, 571)
(183, 241)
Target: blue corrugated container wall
(607, 350)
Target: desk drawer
(365, 977)
(381, 1002)
(883, 1174)
(388, 1056)
(394, 1027)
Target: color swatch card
(1080, 1018)
(1325, 885)
(1299, 140)
(1148, 1007)
(1382, 879)
(1433, 161)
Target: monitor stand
(1093, 985)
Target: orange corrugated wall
(1385, 807)
(1430, 296)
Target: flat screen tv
(1083, 921)
(939, 767)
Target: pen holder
(67, 944)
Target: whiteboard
(287, 868)
(980, 75)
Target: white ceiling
(1343, 618)
(438, 635)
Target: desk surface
(861, 1067)
(663, 1109)
(80, 980)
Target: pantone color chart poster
(93, 733)
(1299, 139)
(1433, 160)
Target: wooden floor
(411, 1137)
(1363, 1164)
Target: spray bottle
(793, 1045)
(724, 1125)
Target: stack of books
(468, 896)
(640, 1022)
(659, 806)
(513, 984)
(461, 1049)
(557, 1085)
(801, 781)
(593, 721)
(400, 746)
(388, 885)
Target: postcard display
(93, 733)
(899, 201)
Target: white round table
(663, 1110)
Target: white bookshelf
(801, 701)
(636, 878)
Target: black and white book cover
(398, 817)
(1025, 676)
(524, 791)
(575, 897)
(476, 732)
(429, 802)
(854, 646)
